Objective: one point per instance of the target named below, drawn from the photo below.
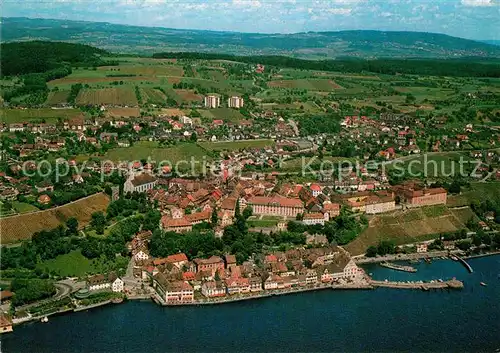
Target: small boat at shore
(44, 319)
(483, 284)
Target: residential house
(212, 289)
(316, 218)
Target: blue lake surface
(381, 320)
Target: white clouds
(340, 11)
(478, 3)
(247, 3)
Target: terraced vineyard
(152, 95)
(409, 226)
(58, 97)
(23, 226)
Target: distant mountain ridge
(312, 45)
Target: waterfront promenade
(452, 284)
(403, 257)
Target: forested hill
(38, 56)
(310, 45)
(467, 67)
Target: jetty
(398, 267)
(451, 284)
(467, 266)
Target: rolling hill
(312, 45)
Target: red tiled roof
(177, 258)
(315, 187)
(278, 200)
(168, 222)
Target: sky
(474, 19)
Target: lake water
(376, 320)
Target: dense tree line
(22, 58)
(317, 124)
(30, 290)
(462, 68)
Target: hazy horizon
(471, 19)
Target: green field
(10, 116)
(22, 207)
(236, 145)
(477, 192)
(144, 149)
(74, 264)
(226, 114)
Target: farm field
(188, 95)
(307, 84)
(172, 112)
(66, 81)
(123, 112)
(22, 227)
(236, 145)
(403, 227)
(58, 97)
(10, 116)
(22, 207)
(150, 70)
(226, 114)
(152, 95)
(107, 96)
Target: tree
(247, 212)
(371, 251)
(72, 225)
(237, 212)
(386, 247)
(214, 220)
(98, 221)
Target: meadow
(236, 145)
(146, 149)
(49, 115)
(74, 264)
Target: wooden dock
(452, 284)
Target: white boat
(45, 319)
(483, 284)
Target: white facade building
(212, 101)
(235, 102)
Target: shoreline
(370, 284)
(404, 257)
(265, 294)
